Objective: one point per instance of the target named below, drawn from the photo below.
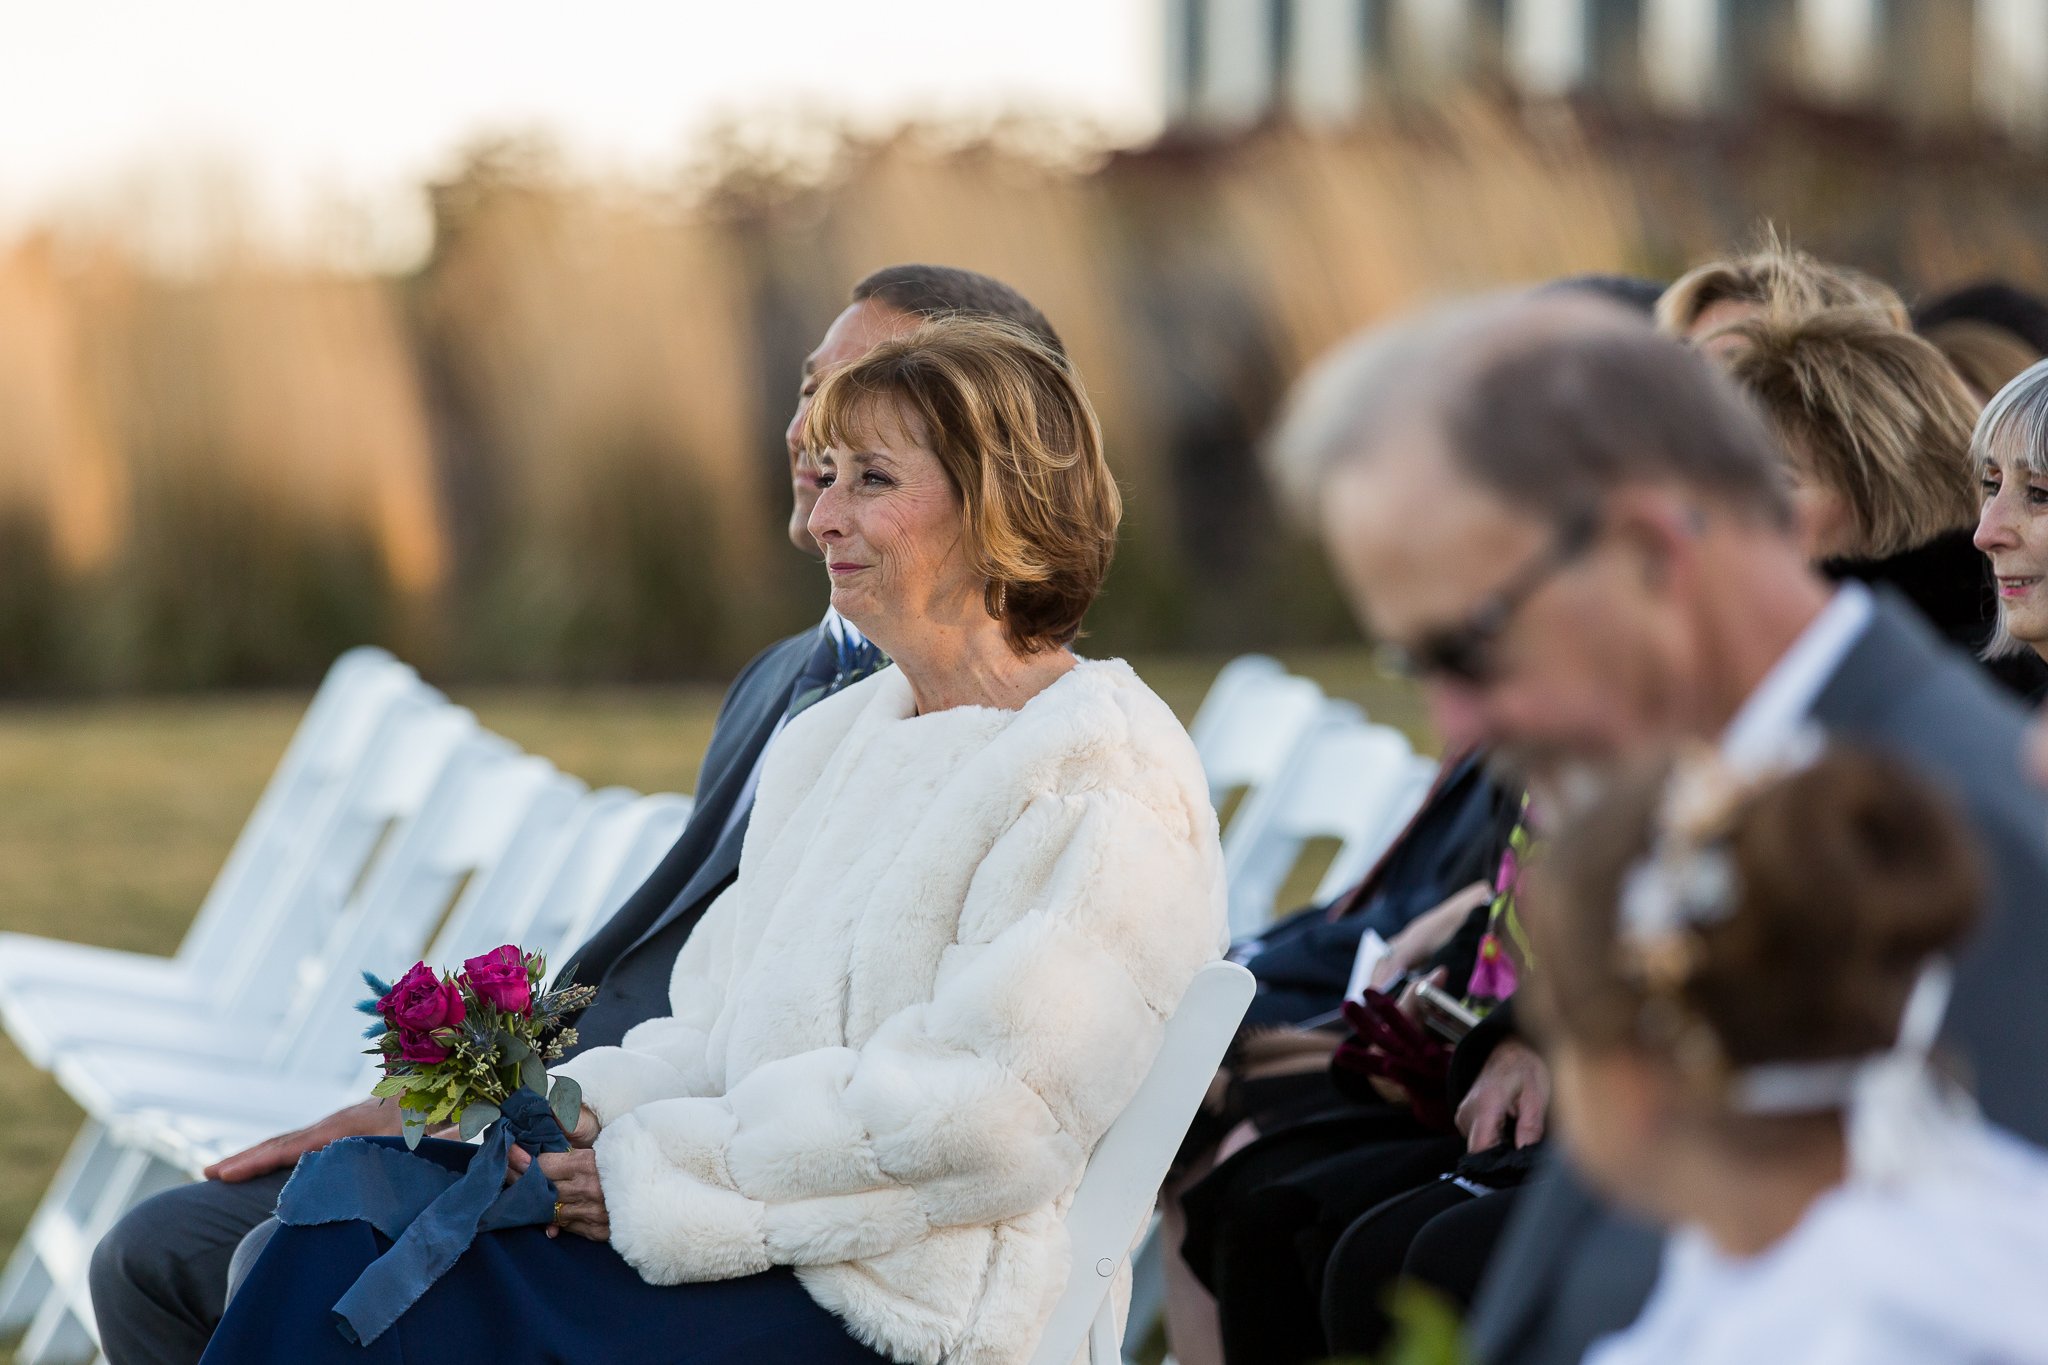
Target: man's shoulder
(789, 653)
(775, 668)
(1902, 688)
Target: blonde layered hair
(1878, 415)
(1784, 282)
(1008, 419)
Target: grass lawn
(114, 818)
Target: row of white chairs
(1310, 768)
(395, 826)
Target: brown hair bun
(1848, 875)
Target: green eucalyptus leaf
(415, 1129)
(566, 1099)
(476, 1118)
(533, 1074)
(514, 1048)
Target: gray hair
(2013, 429)
(1550, 403)
(2015, 423)
(1348, 399)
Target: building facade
(1945, 64)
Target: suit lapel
(708, 842)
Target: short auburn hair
(1879, 414)
(1011, 425)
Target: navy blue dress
(520, 1297)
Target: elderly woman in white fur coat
(975, 886)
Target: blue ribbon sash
(431, 1213)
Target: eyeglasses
(1465, 652)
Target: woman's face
(1827, 526)
(891, 527)
(2012, 531)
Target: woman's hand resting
(579, 1196)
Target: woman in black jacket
(1876, 429)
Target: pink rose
(420, 1047)
(499, 976)
(422, 1002)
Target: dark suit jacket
(1570, 1270)
(1303, 963)
(630, 955)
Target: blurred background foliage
(552, 452)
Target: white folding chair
(1248, 724)
(329, 745)
(495, 819)
(178, 1116)
(1347, 779)
(411, 746)
(369, 768)
(1358, 854)
(492, 820)
(1114, 1202)
(642, 838)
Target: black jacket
(1949, 581)
(1304, 962)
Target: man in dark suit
(1578, 533)
(159, 1278)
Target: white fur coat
(942, 972)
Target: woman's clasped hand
(579, 1193)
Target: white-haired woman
(2010, 452)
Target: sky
(150, 113)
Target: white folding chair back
(1116, 1195)
(359, 686)
(1346, 780)
(387, 803)
(644, 836)
(535, 923)
(249, 892)
(1248, 724)
(613, 838)
(481, 789)
(360, 689)
(405, 749)
(494, 823)
(1361, 852)
(1217, 714)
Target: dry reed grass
(554, 450)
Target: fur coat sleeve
(976, 1106)
(668, 1056)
